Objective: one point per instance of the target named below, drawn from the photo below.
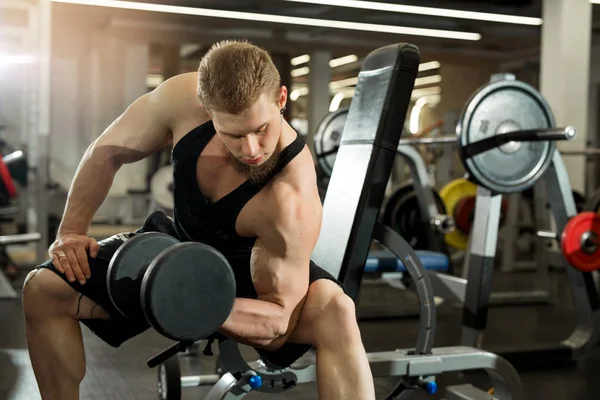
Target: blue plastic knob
(431, 387)
(255, 382)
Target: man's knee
(45, 292)
(337, 320)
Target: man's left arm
(280, 273)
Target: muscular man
(245, 183)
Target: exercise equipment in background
(161, 188)
(403, 214)
(456, 196)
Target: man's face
(250, 139)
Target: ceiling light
(343, 83)
(304, 58)
(426, 66)
(428, 80)
(238, 15)
(337, 62)
(430, 11)
(300, 71)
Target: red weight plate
(6, 178)
(582, 223)
(464, 212)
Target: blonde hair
(233, 74)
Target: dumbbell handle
(167, 353)
(532, 135)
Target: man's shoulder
(178, 96)
(294, 195)
(180, 86)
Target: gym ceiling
(505, 42)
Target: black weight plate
(406, 217)
(169, 379)
(403, 189)
(127, 267)
(188, 291)
(500, 107)
(327, 139)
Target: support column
(564, 74)
(318, 92)
(44, 36)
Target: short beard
(257, 174)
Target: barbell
(184, 290)
(580, 241)
(505, 136)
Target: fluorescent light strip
(322, 23)
(426, 66)
(300, 71)
(338, 62)
(431, 11)
(428, 80)
(300, 59)
(343, 83)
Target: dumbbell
(185, 290)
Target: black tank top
(197, 219)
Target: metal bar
(199, 380)
(446, 139)
(21, 238)
(44, 42)
(582, 152)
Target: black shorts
(119, 329)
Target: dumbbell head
(127, 267)
(188, 291)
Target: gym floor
(122, 373)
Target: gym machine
(530, 163)
(351, 209)
(13, 178)
(418, 213)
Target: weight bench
(350, 212)
(382, 261)
(6, 289)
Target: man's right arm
(143, 129)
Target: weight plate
(390, 203)
(161, 187)
(464, 213)
(127, 267)
(500, 107)
(579, 254)
(406, 219)
(188, 291)
(452, 193)
(328, 138)
(169, 380)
